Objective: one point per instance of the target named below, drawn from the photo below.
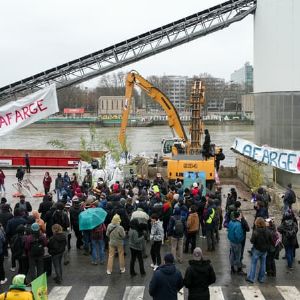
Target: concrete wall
(277, 46)
(252, 173)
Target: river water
(141, 139)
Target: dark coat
(57, 244)
(198, 276)
(4, 217)
(12, 225)
(166, 282)
(261, 239)
(44, 207)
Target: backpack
(178, 228)
(98, 233)
(60, 217)
(37, 247)
(17, 245)
(291, 233)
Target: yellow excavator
(183, 155)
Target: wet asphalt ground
(80, 274)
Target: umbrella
(91, 218)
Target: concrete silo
(277, 77)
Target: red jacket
(2, 176)
(47, 182)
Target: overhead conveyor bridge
(134, 49)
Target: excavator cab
(171, 147)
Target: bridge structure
(134, 49)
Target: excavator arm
(133, 78)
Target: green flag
(39, 287)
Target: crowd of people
(139, 212)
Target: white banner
(27, 110)
(287, 160)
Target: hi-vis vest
(211, 216)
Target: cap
(197, 254)
(195, 184)
(35, 227)
(169, 258)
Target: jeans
(2, 188)
(136, 254)
(289, 252)
(78, 235)
(155, 252)
(235, 255)
(59, 193)
(36, 267)
(57, 263)
(177, 248)
(98, 250)
(261, 256)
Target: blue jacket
(165, 283)
(235, 232)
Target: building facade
(244, 77)
(112, 106)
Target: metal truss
(134, 49)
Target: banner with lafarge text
(27, 110)
(287, 160)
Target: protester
(34, 248)
(156, 238)
(177, 228)
(135, 245)
(18, 290)
(2, 177)
(3, 279)
(270, 260)
(199, 275)
(27, 162)
(116, 234)
(20, 173)
(235, 236)
(59, 186)
(45, 205)
(289, 198)
(262, 240)
(209, 221)
(98, 244)
(192, 229)
(166, 281)
(47, 182)
(56, 247)
(289, 228)
(24, 206)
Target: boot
(241, 272)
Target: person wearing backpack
(17, 249)
(60, 217)
(176, 231)
(56, 247)
(289, 229)
(98, 244)
(289, 198)
(34, 247)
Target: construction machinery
(181, 153)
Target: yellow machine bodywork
(180, 164)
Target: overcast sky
(36, 35)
